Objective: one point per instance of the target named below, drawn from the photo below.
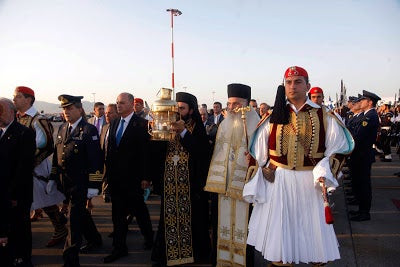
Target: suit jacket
(103, 145)
(78, 157)
(92, 121)
(126, 163)
(211, 119)
(17, 152)
(103, 137)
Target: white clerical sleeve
(41, 139)
(335, 142)
(255, 190)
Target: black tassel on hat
(280, 114)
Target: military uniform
(386, 124)
(362, 158)
(77, 163)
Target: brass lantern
(164, 111)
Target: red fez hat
(316, 90)
(25, 90)
(138, 100)
(296, 71)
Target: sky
(99, 48)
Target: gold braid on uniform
(300, 144)
(28, 121)
(177, 205)
(95, 177)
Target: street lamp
(174, 12)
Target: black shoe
(129, 219)
(386, 160)
(396, 173)
(111, 235)
(353, 212)
(89, 246)
(353, 202)
(115, 255)
(361, 217)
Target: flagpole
(174, 12)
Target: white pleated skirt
(290, 225)
(40, 197)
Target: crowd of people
(235, 181)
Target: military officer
(77, 163)
(386, 123)
(363, 155)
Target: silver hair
(9, 103)
(129, 95)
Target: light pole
(174, 12)
(94, 98)
(213, 93)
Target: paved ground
(370, 243)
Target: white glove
(51, 184)
(92, 192)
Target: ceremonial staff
(243, 110)
(251, 161)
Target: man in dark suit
(125, 168)
(110, 114)
(77, 165)
(363, 156)
(17, 150)
(217, 117)
(98, 120)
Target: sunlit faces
(124, 105)
(21, 102)
(365, 104)
(217, 108)
(235, 102)
(72, 113)
(317, 98)
(111, 113)
(263, 109)
(253, 104)
(296, 88)
(6, 114)
(99, 111)
(138, 107)
(203, 114)
(184, 110)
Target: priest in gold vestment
(182, 235)
(226, 177)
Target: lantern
(164, 111)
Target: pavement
(369, 243)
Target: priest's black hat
(239, 90)
(187, 98)
(68, 100)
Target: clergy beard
(236, 131)
(186, 118)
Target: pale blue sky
(107, 47)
